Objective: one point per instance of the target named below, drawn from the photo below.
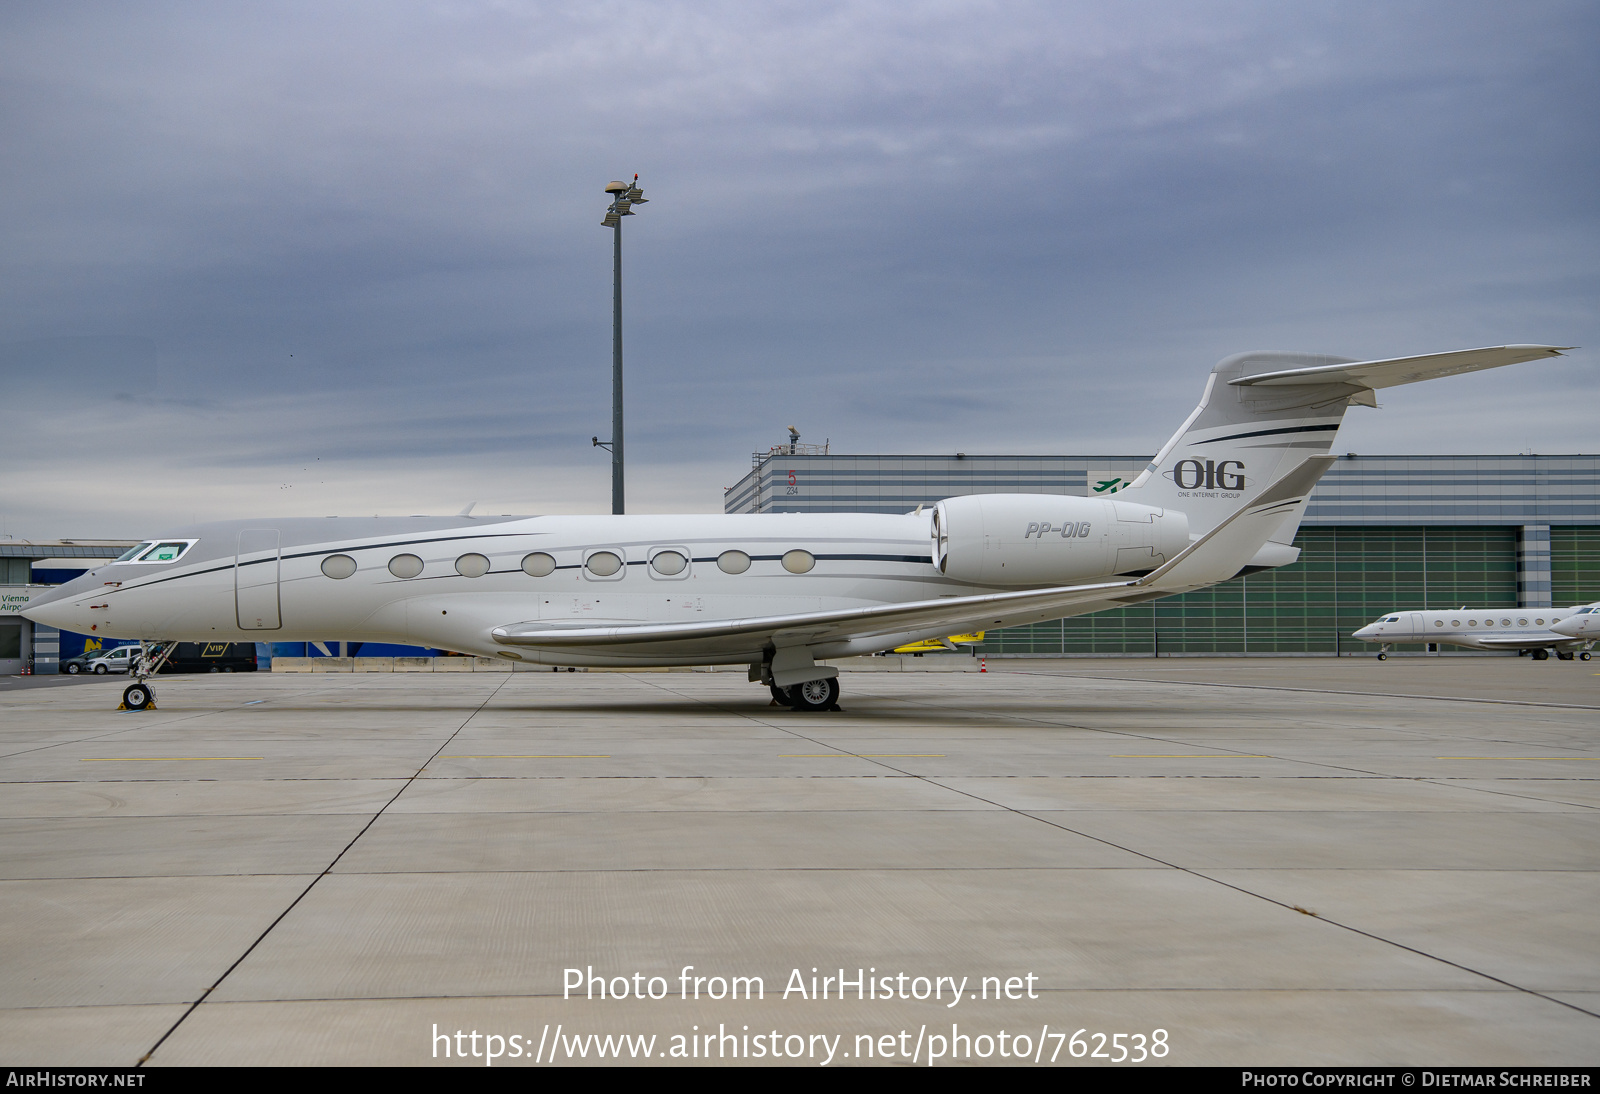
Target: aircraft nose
(56, 607)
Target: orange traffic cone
(983, 664)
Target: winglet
(468, 510)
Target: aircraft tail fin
(1216, 556)
(1265, 414)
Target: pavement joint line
(324, 873)
(1496, 985)
(1286, 759)
(1148, 989)
(172, 720)
(931, 780)
(1316, 691)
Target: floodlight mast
(624, 195)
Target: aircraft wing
(946, 615)
(1403, 370)
(1522, 642)
(1216, 556)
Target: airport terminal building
(1381, 533)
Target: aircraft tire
(1563, 655)
(1584, 656)
(137, 697)
(1383, 657)
(780, 695)
(1541, 655)
(814, 695)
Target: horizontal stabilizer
(1402, 370)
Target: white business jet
(776, 592)
(1583, 623)
(1536, 630)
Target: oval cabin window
(472, 565)
(733, 562)
(603, 564)
(538, 564)
(798, 562)
(338, 567)
(405, 565)
(668, 563)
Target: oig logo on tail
(1223, 475)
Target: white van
(117, 660)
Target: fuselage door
(255, 579)
(1416, 624)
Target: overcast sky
(304, 259)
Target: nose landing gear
(138, 696)
(1383, 652)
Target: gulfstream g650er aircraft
(777, 592)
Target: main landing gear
(807, 695)
(812, 695)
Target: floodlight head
(611, 220)
(616, 187)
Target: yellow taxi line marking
(157, 759)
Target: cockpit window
(1392, 619)
(168, 551)
(134, 552)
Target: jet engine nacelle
(1047, 539)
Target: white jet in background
(777, 592)
(1584, 623)
(1536, 630)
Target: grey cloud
(372, 232)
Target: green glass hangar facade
(1381, 533)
